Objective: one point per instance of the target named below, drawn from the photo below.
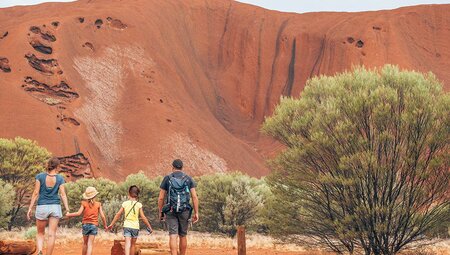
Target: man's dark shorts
(178, 223)
(89, 230)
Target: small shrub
(31, 233)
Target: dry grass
(196, 239)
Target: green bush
(149, 193)
(20, 161)
(7, 197)
(366, 159)
(31, 233)
(230, 200)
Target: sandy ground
(104, 247)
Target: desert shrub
(7, 197)
(110, 208)
(30, 233)
(20, 161)
(230, 200)
(107, 189)
(366, 159)
(149, 193)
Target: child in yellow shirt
(132, 209)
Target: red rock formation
(190, 79)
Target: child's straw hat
(90, 193)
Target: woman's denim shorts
(43, 212)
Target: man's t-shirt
(177, 174)
(131, 210)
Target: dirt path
(104, 248)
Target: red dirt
(190, 79)
(103, 248)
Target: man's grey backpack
(178, 195)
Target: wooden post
(242, 250)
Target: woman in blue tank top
(48, 190)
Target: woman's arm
(116, 218)
(62, 191)
(80, 211)
(102, 215)
(37, 186)
(144, 219)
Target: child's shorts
(90, 230)
(43, 212)
(130, 232)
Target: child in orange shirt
(90, 210)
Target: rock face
(128, 88)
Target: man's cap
(177, 163)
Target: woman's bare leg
(40, 237)
(52, 227)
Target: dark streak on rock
(222, 37)
(258, 73)
(287, 91)
(277, 52)
(319, 59)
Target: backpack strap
(132, 208)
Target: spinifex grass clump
(366, 164)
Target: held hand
(162, 217)
(149, 230)
(195, 218)
(109, 227)
(29, 214)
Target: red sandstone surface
(116, 87)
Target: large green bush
(7, 198)
(20, 161)
(366, 159)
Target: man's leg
(173, 244)
(183, 245)
(183, 228)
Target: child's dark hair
(53, 163)
(134, 191)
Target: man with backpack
(176, 191)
